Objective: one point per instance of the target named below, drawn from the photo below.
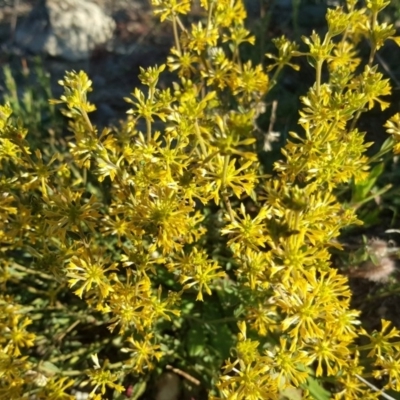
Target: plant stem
(30, 271)
(318, 70)
(176, 35)
(148, 128)
(209, 16)
(200, 139)
(329, 130)
(371, 386)
(225, 198)
(355, 120)
(373, 44)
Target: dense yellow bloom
(57, 389)
(331, 355)
(226, 175)
(263, 318)
(17, 337)
(289, 363)
(381, 342)
(249, 232)
(249, 82)
(142, 220)
(202, 37)
(67, 211)
(142, 353)
(90, 270)
(170, 9)
(184, 62)
(230, 13)
(196, 270)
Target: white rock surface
(69, 29)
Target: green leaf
(363, 189)
(316, 390)
(196, 342)
(138, 390)
(47, 366)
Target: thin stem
(87, 121)
(273, 116)
(387, 69)
(79, 352)
(295, 16)
(371, 55)
(387, 149)
(274, 77)
(183, 374)
(330, 129)
(148, 119)
(375, 195)
(200, 139)
(355, 120)
(373, 44)
(84, 177)
(210, 157)
(371, 346)
(209, 17)
(228, 206)
(176, 35)
(225, 170)
(14, 19)
(180, 24)
(382, 295)
(212, 321)
(68, 330)
(237, 57)
(371, 386)
(148, 128)
(318, 70)
(225, 198)
(265, 18)
(30, 271)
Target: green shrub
(140, 250)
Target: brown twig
(184, 375)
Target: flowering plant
(140, 236)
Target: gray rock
(69, 29)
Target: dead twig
(185, 375)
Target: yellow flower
(197, 270)
(289, 363)
(184, 62)
(90, 270)
(142, 353)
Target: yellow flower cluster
(125, 206)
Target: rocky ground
(138, 40)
